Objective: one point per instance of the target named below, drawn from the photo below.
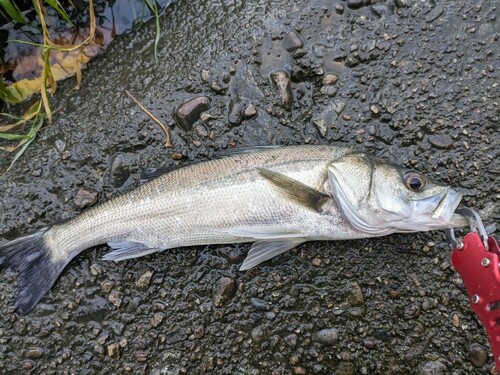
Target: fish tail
(32, 258)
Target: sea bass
(275, 197)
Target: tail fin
(31, 258)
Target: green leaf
(30, 137)
(57, 6)
(12, 137)
(13, 11)
(9, 94)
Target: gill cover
(377, 198)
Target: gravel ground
(415, 81)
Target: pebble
(157, 319)
(355, 4)
(381, 10)
(347, 117)
(250, 111)
(292, 41)
(433, 368)
(355, 297)
(434, 14)
(328, 90)
(368, 344)
(85, 198)
(205, 75)
(455, 320)
(442, 141)
(119, 170)
(299, 53)
(330, 79)
(412, 311)
(216, 87)
(259, 304)
(176, 336)
(235, 115)
(113, 351)
(106, 286)
(476, 355)
(37, 172)
(374, 109)
(190, 111)
(224, 291)
(144, 281)
(34, 353)
(290, 340)
(320, 124)
(177, 155)
(281, 80)
(328, 336)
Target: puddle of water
(21, 64)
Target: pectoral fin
(127, 250)
(296, 190)
(266, 249)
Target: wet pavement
(413, 81)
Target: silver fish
(276, 197)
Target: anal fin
(122, 250)
(266, 249)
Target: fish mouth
(444, 212)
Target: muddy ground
(415, 81)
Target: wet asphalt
(409, 80)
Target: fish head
(379, 197)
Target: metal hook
(475, 224)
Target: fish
(277, 197)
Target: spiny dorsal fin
(293, 189)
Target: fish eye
(414, 181)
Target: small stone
(176, 336)
(316, 262)
(476, 355)
(347, 117)
(394, 294)
(60, 145)
(455, 320)
(224, 291)
(443, 141)
(85, 198)
(299, 53)
(190, 111)
(290, 340)
(259, 304)
(37, 172)
(381, 10)
(235, 115)
(320, 124)
(249, 111)
(294, 359)
(434, 14)
(144, 281)
(328, 90)
(355, 4)
(328, 336)
(292, 41)
(115, 298)
(157, 319)
(339, 9)
(35, 353)
(114, 351)
(412, 311)
(119, 170)
(199, 332)
(330, 79)
(28, 365)
(106, 286)
(368, 344)
(374, 109)
(355, 297)
(281, 80)
(216, 87)
(141, 356)
(206, 117)
(299, 371)
(205, 75)
(432, 368)
(403, 3)
(177, 155)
